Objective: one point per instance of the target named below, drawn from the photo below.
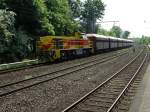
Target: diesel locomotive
(51, 48)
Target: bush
(14, 44)
(7, 34)
(23, 45)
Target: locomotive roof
(61, 37)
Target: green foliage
(22, 44)
(7, 32)
(75, 6)
(32, 15)
(14, 45)
(60, 17)
(7, 29)
(92, 10)
(145, 40)
(116, 31)
(3, 4)
(125, 34)
(103, 32)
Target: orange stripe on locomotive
(56, 47)
(76, 43)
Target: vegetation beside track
(25, 63)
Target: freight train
(51, 48)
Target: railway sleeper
(98, 104)
(123, 102)
(136, 84)
(139, 78)
(118, 87)
(118, 82)
(114, 91)
(125, 79)
(131, 94)
(104, 97)
(119, 110)
(101, 100)
(107, 93)
(110, 86)
(90, 109)
(123, 107)
(132, 89)
(128, 98)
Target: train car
(126, 43)
(100, 42)
(120, 43)
(113, 43)
(51, 48)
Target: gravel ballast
(32, 72)
(55, 95)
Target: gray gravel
(28, 73)
(53, 96)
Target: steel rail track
(70, 67)
(127, 86)
(106, 95)
(22, 68)
(57, 74)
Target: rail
(105, 82)
(55, 74)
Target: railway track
(106, 96)
(25, 67)
(26, 83)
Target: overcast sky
(133, 15)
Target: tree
(75, 6)
(32, 15)
(92, 10)
(125, 34)
(102, 31)
(145, 40)
(116, 31)
(3, 4)
(7, 32)
(61, 17)
(14, 44)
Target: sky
(133, 15)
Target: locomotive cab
(62, 47)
